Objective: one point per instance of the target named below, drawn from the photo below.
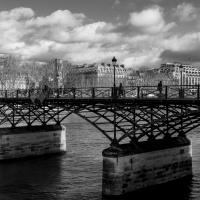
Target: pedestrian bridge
(135, 113)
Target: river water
(77, 175)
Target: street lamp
(181, 82)
(114, 142)
(181, 71)
(181, 95)
(56, 75)
(114, 62)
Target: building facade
(10, 81)
(184, 73)
(98, 75)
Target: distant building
(97, 75)
(189, 74)
(11, 78)
(2, 59)
(17, 82)
(133, 77)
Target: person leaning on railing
(72, 92)
(46, 91)
(160, 88)
(121, 90)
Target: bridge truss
(120, 120)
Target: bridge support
(31, 141)
(135, 166)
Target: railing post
(138, 92)
(181, 92)
(6, 94)
(93, 93)
(29, 93)
(166, 92)
(112, 92)
(198, 92)
(74, 95)
(115, 92)
(17, 95)
(58, 93)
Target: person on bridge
(72, 92)
(46, 91)
(121, 91)
(160, 88)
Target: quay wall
(130, 167)
(31, 141)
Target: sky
(137, 32)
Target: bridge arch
(134, 121)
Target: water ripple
(77, 175)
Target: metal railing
(135, 92)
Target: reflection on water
(77, 175)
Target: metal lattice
(136, 120)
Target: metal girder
(134, 120)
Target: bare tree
(33, 71)
(9, 72)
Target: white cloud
(186, 12)
(64, 35)
(59, 34)
(63, 18)
(95, 32)
(179, 43)
(150, 20)
(116, 3)
(17, 14)
(185, 48)
(156, 1)
(146, 57)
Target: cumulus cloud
(183, 48)
(17, 14)
(95, 32)
(186, 56)
(64, 35)
(116, 3)
(156, 1)
(61, 34)
(63, 18)
(186, 12)
(150, 20)
(146, 57)
(20, 30)
(179, 43)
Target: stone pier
(131, 167)
(31, 141)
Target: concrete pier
(31, 141)
(131, 167)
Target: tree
(10, 72)
(33, 72)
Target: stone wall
(31, 141)
(132, 167)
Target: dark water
(77, 175)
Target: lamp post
(114, 62)
(56, 75)
(114, 142)
(181, 81)
(181, 71)
(181, 133)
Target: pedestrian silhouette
(160, 88)
(72, 92)
(121, 90)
